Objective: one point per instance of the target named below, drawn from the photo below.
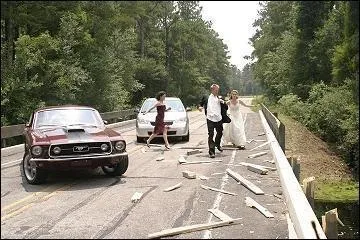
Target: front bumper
(111, 156)
(175, 130)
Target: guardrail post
(295, 166)
(329, 224)
(281, 138)
(309, 190)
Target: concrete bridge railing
(305, 223)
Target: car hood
(169, 116)
(74, 135)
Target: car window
(63, 117)
(175, 104)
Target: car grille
(166, 123)
(80, 149)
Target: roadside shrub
(292, 106)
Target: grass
(337, 191)
(333, 181)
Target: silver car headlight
(120, 146)
(36, 151)
(143, 121)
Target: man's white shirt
(213, 109)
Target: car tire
(33, 175)
(117, 169)
(139, 139)
(187, 137)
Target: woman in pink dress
(160, 127)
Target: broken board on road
(252, 203)
(252, 187)
(219, 214)
(193, 228)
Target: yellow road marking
(16, 212)
(47, 196)
(25, 198)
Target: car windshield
(67, 117)
(175, 104)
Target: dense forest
(112, 54)
(306, 59)
(109, 55)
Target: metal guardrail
(17, 130)
(276, 126)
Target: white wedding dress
(234, 131)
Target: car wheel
(139, 139)
(117, 169)
(32, 174)
(187, 137)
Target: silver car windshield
(175, 104)
(67, 117)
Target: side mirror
(188, 109)
(105, 122)
(137, 110)
(27, 125)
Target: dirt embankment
(316, 159)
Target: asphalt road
(89, 204)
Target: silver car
(177, 119)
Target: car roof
(69, 106)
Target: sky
(233, 20)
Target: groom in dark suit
(215, 111)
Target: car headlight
(120, 146)
(183, 119)
(104, 147)
(36, 151)
(56, 150)
(143, 121)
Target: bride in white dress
(234, 131)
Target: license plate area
(80, 163)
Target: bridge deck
(91, 205)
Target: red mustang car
(71, 136)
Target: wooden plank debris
(192, 152)
(136, 197)
(217, 173)
(203, 178)
(189, 174)
(245, 182)
(160, 158)
(219, 214)
(278, 196)
(173, 187)
(257, 169)
(257, 154)
(205, 161)
(217, 190)
(270, 161)
(256, 165)
(261, 145)
(182, 159)
(260, 140)
(252, 203)
(193, 228)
